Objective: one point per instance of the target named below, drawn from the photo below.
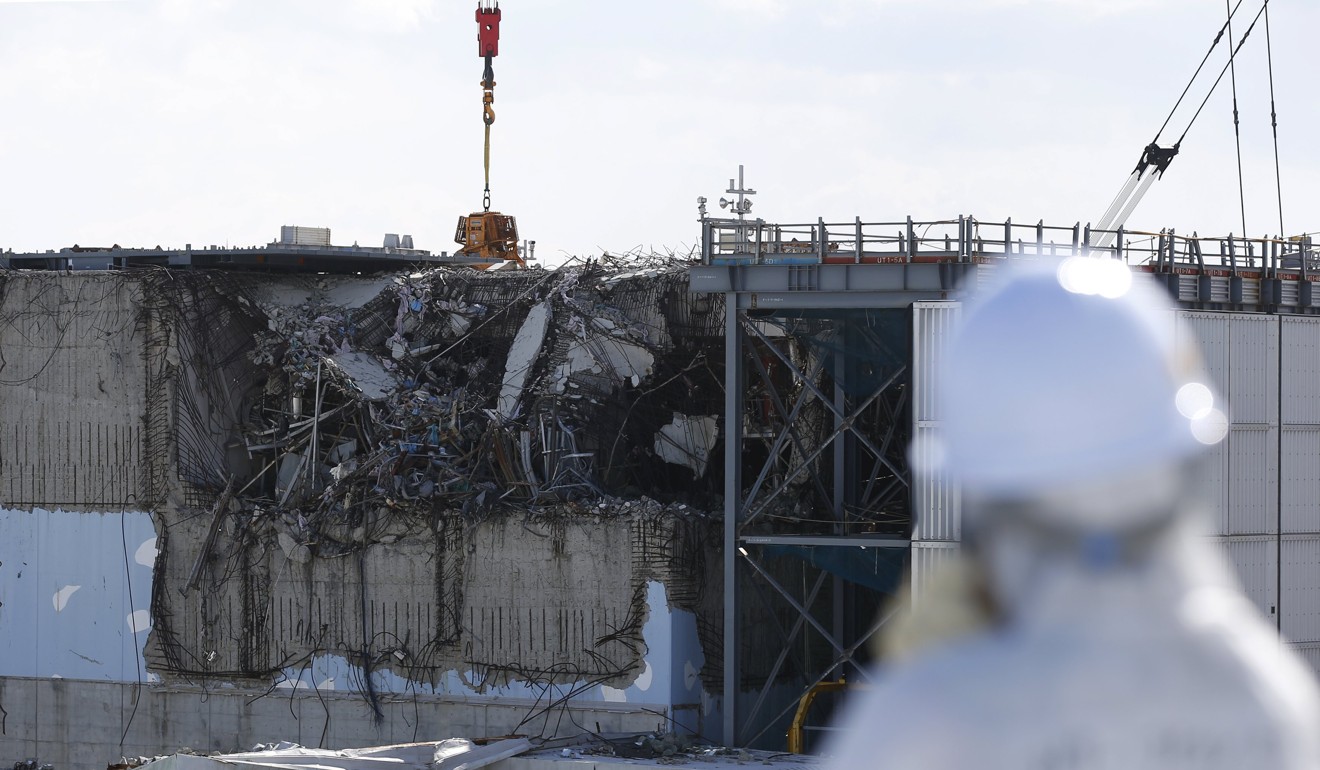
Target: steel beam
(733, 418)
(848, 654)
(790, 420)
(784, 653)
(848, 420)
(828, 541)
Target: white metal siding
(1300, 363)
(1300, 580)
(937, 510)
(1210, 485)
(926, 559)
(1299, 471)
(1253, 372)
(1210, 330)
(939, 504)
(1252, 465)
(1308, 652)
(1256, 559)
(1299, 411)
(1239, 481)
(932, 323)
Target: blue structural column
(840, 479)
(733, 382)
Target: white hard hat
(1064, 375)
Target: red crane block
(488, 36)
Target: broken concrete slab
(522, 356)
(688, 440)
(366, 374)
(610, 357)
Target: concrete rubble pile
(469, 390)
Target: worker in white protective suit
(1108, 629)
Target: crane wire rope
(1130, 195)
(1222, 72)
(1204, 59)
(488, 117)
(1123, 200)
(1237, 131)
(1274, 118)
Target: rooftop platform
(892, 264)
(277, 256)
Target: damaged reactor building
(628, 495)
(345, 510)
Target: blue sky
(216, 121)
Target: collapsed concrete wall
(421, 463)
(556, 597)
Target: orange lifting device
(488, 234)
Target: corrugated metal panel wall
(1299, 412)
(936, 504)
(1240, 478)
(1211, 484)
(927, 558)
(1310, 652)
(1255, 558)
(1300, 581)
(1210, 332)
(1300, 476)
(1253, 357)
(1253, 500)
(1264, 475)
(1301, 370)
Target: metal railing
(967, 239)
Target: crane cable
(1204, 59)
(1160, 157)
(1222, 72)
(1274, 119)
(1237, 131)
(1123, 200)
(487, 117)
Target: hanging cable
(1200, 66)
(1155, 159)
(1237, 133)
(1274, 119)
(1153, 154)
(1222, 72)
(487, 117)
